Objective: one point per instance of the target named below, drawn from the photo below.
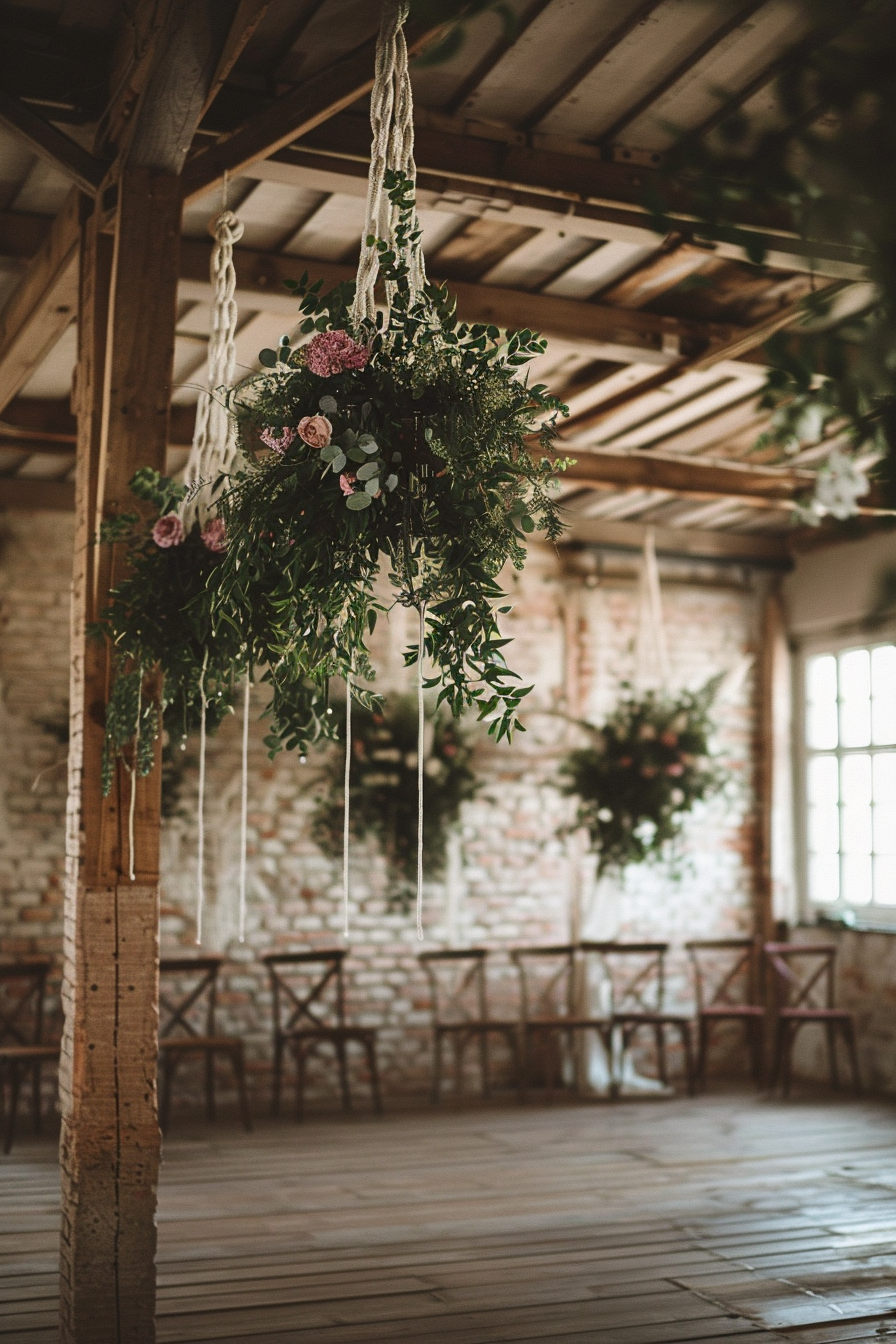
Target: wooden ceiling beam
(248, 16)
(733, 547)
(52, 145)
(688, 476)
(20, 492)
(495, 54)
(44, 303)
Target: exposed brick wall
(574, 630)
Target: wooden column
(110, 1135)
(770, 627)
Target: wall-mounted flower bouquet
(642, 773)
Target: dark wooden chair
(308, 997)
(23, 1051)
(726, 988)
(637, 976)
(187, 1027)
(802, 973)
(457, 981)
(550, 1016)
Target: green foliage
(827, 159)
(642, 774)
(426, 463)
(383, 790)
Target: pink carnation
(315, 430)
(347, 481)
(168, 531)
(278, 439)
(675, 769)
(333, 352)
(214, 535)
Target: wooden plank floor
(644, 1223)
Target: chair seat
(187, 1043)
(651, 1018)
(816, 1014)
(485, 1024)
(331, 1034)
(562, 1023)
(28, 1052)
(733, 1010)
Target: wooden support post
(770, 627)
(110, 1134)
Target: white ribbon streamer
(200, 808)
(346, 804)
(421, 742)
(244, 807)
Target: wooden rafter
(771, 551)
(495, 54)
(51, 145)
(686, 476)
(248, 16)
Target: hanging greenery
(404, 439)
(383, 793)
(643, 772)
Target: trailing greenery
(383, 790)
(643, 772)
(827, 159)
(409, 441)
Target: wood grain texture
(712, 1219)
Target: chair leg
(277, 1075)
(209, 1085)
(13, 1106)
(298, 1050)
(370, 1050)
(831, 1033)
(702, 1051)
(35, 1096)
(659, 1035)
(483, 1061)
(238, 1060)
(512, 1037)
(849, 1035)
(754, 1026)
(687, 1046)
(341, 1056)
(778, 1057)
(437, 1042)
(787, 1061)
(458, 1045)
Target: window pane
(855, 776)
(885, 879)
(855, 698)
(821, 697)
(823, 789)
(824, 781)
(824, 878)
(857, 878)
(884, 803)
(883, 687)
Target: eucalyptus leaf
(391, 481)
(328, 405)
(267, 358)
(368, 470)
(338, 462)
(327, 454)
(373, 486)
(358, 501)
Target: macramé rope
(214, 448)
(346, 803)
(200, 807)
(244, 806)
(392, 124)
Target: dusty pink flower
(315, 430)
(347, 481)
(278, 439)
(648, 771)
(214, 535)
(168, 531)
(668, 738)
(675, 769)
(332, 352)
(625, 761)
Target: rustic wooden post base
(110, 1133)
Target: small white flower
(605, 814)
(839, 484)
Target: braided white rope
(392, 124)
(213, 450)
(200, 806)
(244, 806)
(346, 803)
(421, 743)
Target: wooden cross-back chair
(803, 973)
(726, 988)
(23, 1051)
(310, 1014)
(637, 975)
(180, 1036)
(459, 995)
(550, 1013)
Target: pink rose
(331, 352)
(675, 769)
(347, 481)
(668, 738)
(168, 531)
(648, 771)
(278, 439)
(214, 535)
(315, 430)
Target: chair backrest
(307, 989)
(547, 981)
(803, 974)
(188, 995)
(635, 971)
(457, 984)
(23, 987)
(726, 972)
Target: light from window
(851, 776)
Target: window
(850, 779)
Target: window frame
(872, 916)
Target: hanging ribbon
(200, 807)
(421, 742)
(392, 125)
(244, 807)
(651, 649)
(346, 803)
